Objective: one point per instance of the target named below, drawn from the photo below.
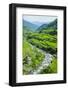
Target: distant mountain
(44, 26)
(52, 25)
(38, 23)
(29, 26)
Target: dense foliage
(35, 44)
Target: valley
(39, 48)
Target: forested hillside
(40, 48)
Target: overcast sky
(35, 18)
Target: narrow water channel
(45, 63)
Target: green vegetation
(52, 68)
(32, 57)
(35, 44)
(45, 42)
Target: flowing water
(45, 63)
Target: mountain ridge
(51, 25)
(29, 25)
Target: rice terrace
(39, 44)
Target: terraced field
(40, 50)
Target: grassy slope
(45, 42)
(35, 56)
